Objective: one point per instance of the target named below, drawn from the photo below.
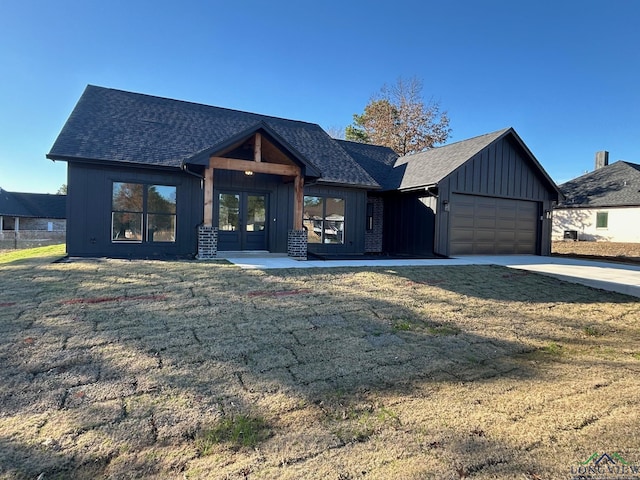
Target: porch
(249, 187)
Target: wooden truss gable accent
(259, 164)
(257, 148)
(253, 166)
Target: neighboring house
(32, 212)
(603, 205)
(155, 177)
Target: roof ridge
(496, 133)
(632, 165)
(33, 193)
(500, 131)
(361, 143)
(206, 105)
(635, 166)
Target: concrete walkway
(607, 276)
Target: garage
(487, 195)
(493, 226)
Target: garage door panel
(525, 237)
(484, 248)
(462, 238)
(485, 225)
(506, 237)
(524, 224)
(485, 236)
(461, 222)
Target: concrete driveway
(607, 276)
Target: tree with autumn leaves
(399, 118)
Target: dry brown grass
(611, 251)
(117, 369)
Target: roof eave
(102, 161)
(584, 206)
(331, 183)
(416, 188)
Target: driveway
(615, 277)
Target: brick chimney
(602, 159)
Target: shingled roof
(426, 168)
(32, 205)
(109, 125)
(615, 185)
(433, 165)
(378, 161)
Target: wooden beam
(257, 167)
(257, 148)
(208, 196)
(298, 202)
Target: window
(229, 212)
(602, 219)
(143, 213)
(323, 218)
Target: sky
(563, 73)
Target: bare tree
(335, 131)
(399, 118)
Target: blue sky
(563, 73)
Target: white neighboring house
(603, 205)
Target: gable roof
(32, 205)
(428, 168)
(614, 185)
(109, 125)
(433, 165)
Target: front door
(242, 221)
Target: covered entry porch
(253, 199)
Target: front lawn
(38, 254)
(147, 369)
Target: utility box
(571, 235)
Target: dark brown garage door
(492, 226)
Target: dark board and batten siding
(89, 210)
(508, 174)
(408, 224)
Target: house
(27, 216)
(602, 205)
(156, 177)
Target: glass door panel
(255, 222)
(256, 213)
(229, 212)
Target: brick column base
(207, 242)
(297, 244)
